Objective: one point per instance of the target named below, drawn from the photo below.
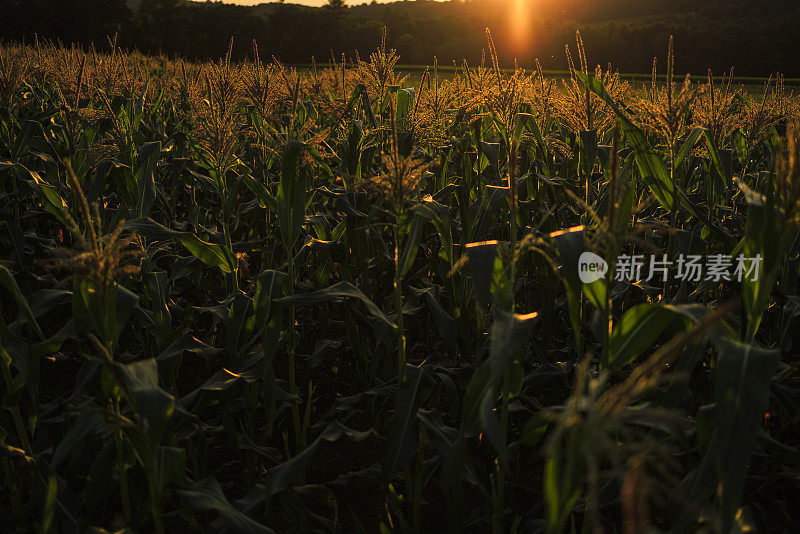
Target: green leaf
(336, 291)
(7, 281)
(479, 385)
(687, 145)
(510, 332)
(150, 229)
(481, 264)
(651, 166)
(522, 122)
(100, 480)
(102, 314)
(157, 289)
(291, 193)
(228, 381)
(72, 443)
(402, 441)
(366, 105)
(209, 253)
(764, 239)
(597, 293)
(455, 466)
(265, 199)
(145, 177)
(154, 406)
(636, 331)
(444, 322)
(287, 474)
(570, 246)
(405, 104)
(186, 343)
(534, 430)
(741, 389)
(268, 287)
(484, 213)
(48, 194)
(170, 466)
(207, 495)
(410, 243)
(439, 215)
(588, 150)
(30, 129)
(563, 480)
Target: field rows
(251, 298)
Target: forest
(710, 34)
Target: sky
(306, 2)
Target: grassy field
(448, 72)
(251, 298)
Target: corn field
(242, 297)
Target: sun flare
(519, 25)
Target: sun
(519, 25)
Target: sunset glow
(519, 26)
(314, 3)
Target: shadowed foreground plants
(249, 298)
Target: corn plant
(253, 297)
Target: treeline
(756, 37)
